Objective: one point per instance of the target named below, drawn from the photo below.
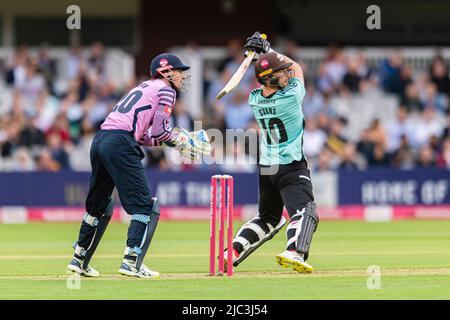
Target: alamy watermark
(235, 147)
(374, 278)
(73, 21)
(73, 282)
(373, 22)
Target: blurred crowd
(47, 123)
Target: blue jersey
(280, 116)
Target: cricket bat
(237, 76)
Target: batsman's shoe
(225, 257)
(128, 268)
(76, 266)
(293, 259)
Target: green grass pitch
(414, 258)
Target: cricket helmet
(165, 62)
(267, 64)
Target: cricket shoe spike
(129, 268)
(76, 266)
(295, 260)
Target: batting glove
(257, 44)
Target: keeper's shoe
(76, 266)
(292, 259)
(128, 268)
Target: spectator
(314, 139)
(156, 158)
(377, 134)
(327, 108)
(74, 62)
(182, 118)
(427, 126)
(439, 75)
(427, 157)
(57, 151)
(333, 70)
(45, 162)
(47, 66)
(390, 73)
(397, 129)
(61, 127)
(323, 121)
(312, 102)
(336, 140)
(47, 108)
(16, 70)
(405, 79)
(30, 135)
(411, 99)
(96, 59)
(378, 158)
(96, 108)
(324, 161)
(9, 136)
(352, 78)
(443, 158)
(430, 97)
(350, 160)
(238, 113)
(22, 160)
(32, 84)
(446, 131)
(404, 156)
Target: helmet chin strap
(273, 82)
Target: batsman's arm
(298, 72)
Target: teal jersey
(280, 116)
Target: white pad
(297, 226)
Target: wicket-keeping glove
(191, 144)
(184, 144)
(201, 141)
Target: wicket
(226, 214)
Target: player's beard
(185, 82)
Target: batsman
(284, 178)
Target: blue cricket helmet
(166, 61)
